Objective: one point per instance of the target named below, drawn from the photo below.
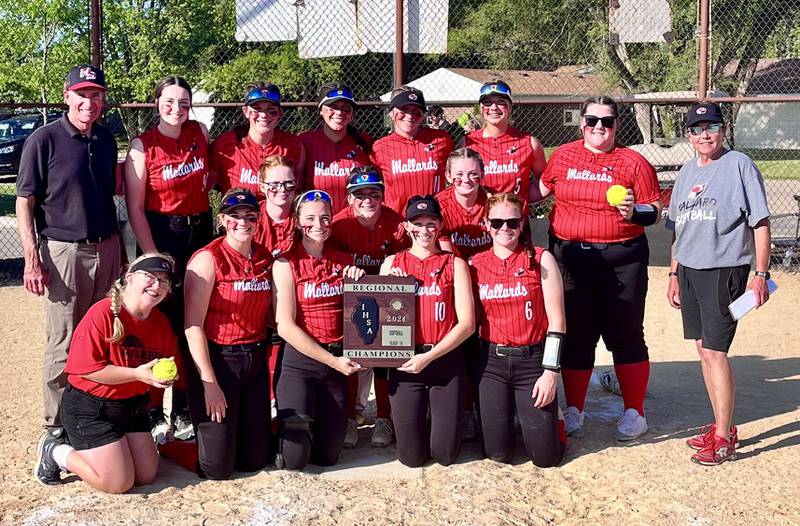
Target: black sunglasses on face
(608, 122)
(512, 222)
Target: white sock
(60, 454)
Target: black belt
(597, 246)
(521, 351)
(334, 348)
(240, 347)
(185, 221)
(85, 241)
(419, 349)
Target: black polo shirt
(72, 178)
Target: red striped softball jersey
(368, 248)
(177, 170)
(235, 158)
(507, 160)
(579, 180)
(237, 309)
(509, 297)
(464, 227)
(328, 164)
(277, 238)
(319, 292)
(90, 350)
(435, 300)
(412, 166)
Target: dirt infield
(649, 482)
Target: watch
(765, 275)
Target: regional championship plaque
(379, 320)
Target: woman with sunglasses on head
(228, 293)
(370, 232)
(411, 158)
(510, 156)
(603, 253)
(110, 376)
(520, 317)
(309, 303)
(336, 146)
(435, 377)
(720, 218)
(236, 155)
(166, 192)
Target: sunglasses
(311, 196)
(342, 93)
(499, 88)
(512, 222)
(248, 218)
(151, 278)
(608, 122)
(257, 94)
(276, 186)
(711, 128)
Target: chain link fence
(552, 54)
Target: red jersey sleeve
(645, 186)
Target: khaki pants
(78, 276)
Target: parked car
(14, 129)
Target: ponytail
(116, 305)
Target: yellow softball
(616, 194)
(165, 370)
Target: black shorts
(91, 421)
(705, 296)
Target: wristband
(670, 274)
(552, 350)
(644, 215)
(759, 274)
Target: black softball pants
(310, 392)
(441, 386)
(241, 440)
(605, 286)
(505, 384)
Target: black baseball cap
(85, 76)
(704, 112)
(406, 97)
(423, 206)
(155, 264)
(236, 198)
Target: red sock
(272, 362)
(633, 379)
(576, 383)
(352, 395)
(182, 453)
(383, 409)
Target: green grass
(8, 199)
(776, 164)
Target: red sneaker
(697, 442)
(716, 451)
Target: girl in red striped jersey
(166, 193)
(276, 226)
(603, 253)
(336, 146)
(110, 378)
(228, 292)
(435, 377)
(237, 154)
(510, 156)
(412, 158)
(309, 305)
(520, 301)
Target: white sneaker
(382, 433)
(468, 431)
(631, 425)
(573, 422)
(351, 436)
(162, 432)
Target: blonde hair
(498, 199)
(271, 162)
(119, 287)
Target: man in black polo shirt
(68, 225)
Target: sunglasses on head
(275, 186)
(338, 93)
(499, 88)
(592, 120)
(711, 128)
(512, 222)
(313, 195)
(257, 94)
